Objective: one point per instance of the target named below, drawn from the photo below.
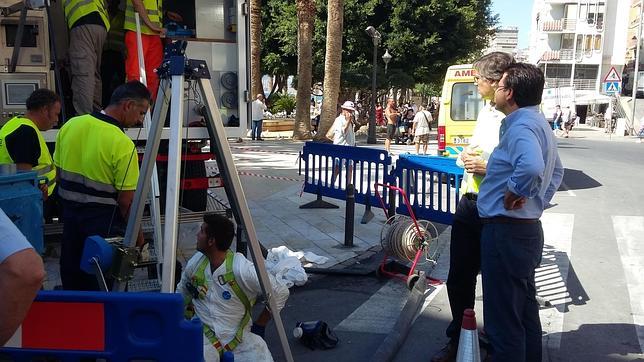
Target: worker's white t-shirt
(222, 311)
(11, 239)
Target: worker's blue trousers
(81, 221)
(510, 253)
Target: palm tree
(255, 47)
(332, 64)
(306, 22)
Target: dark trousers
(256, 130)
(464, 263)
(82, 221)
(510, 254)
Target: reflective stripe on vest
(45, 166)
(76, 9)
(198, 281)
(154, 9)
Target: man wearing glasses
(98, 170)
(523, 173)
(465, 244)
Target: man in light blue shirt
(523, 173)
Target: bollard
(391, 210)
(349, 216)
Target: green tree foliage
(423, 36)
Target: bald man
(257, 116)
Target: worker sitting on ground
(97, 173)
(220, 287)
(22, 143)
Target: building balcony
(579, 84)
(557, 55)
(559, 26)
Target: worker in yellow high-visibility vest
(22, 143)
(88, 23)
(97, 173)
(151, 16)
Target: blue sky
(515, 13)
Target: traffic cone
(468, 343)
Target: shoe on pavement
(447, 354)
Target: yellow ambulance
(460, 105)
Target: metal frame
(232, 184)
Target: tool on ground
(406, 239)
(468, 342)
(315, 335)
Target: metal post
(155, 205)
(637, 64)
(349, 216)
(18, 40)
(371, 137)
(172, 192)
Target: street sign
(612, 87)
(612, 76)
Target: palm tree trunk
(332, 64)
(255, 47)
(306, 21)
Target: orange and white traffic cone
(468, 343)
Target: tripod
(174, 71)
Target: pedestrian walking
(421, 128)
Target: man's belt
(471, 196)
(507, 220)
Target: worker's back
(95, 158)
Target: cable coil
(400, 238)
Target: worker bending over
(21, 140)
(220, 287)
(98, 171)
(89, 23)
(150, 15)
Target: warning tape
(281, 178)
(257, 149)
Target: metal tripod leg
(235, 193)
(147, 166)
(171, 226)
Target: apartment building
(576, 42)
(631, 48)
(506, 39)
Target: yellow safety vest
(95, 160)
(76, 9)
(45, 166)
(154, 9)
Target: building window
(558, 71)
(598, 43)
(586, 71)
(567, 41)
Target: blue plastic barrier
(431, 184)
(21, 200)
(364, 167)
(68, 326)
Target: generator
(24, 67)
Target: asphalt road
(591, 272)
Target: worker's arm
(124, 201)
(349, 123)
(143, 14)
(21, 166)
(21, 276)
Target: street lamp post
(637, 64)
(375, 37)
(386, 58)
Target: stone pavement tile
(270, 240)
(309, 231)
(328, 244)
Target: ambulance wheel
(411, 281)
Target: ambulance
(461, 103)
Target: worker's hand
(173, 16)
(162, 32)
(475, 164)
(45, 191)
(513, 201)
(258, 330)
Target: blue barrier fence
(431, 184)
(21, 200)
(70, 326)
(329, 168)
